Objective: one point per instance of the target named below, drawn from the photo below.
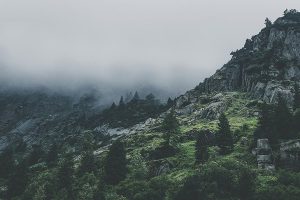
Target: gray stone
(290, 154)
(212, 111)
(264, 155)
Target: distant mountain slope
(38, 116)
(42, 117)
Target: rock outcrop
(264, 155)
(290, 154)
(267, 65)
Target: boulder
(212, 111)
(290, 154)
(264, 155)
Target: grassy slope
(241, 112)
(242, 123)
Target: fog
(115, 45)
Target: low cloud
(120, 45)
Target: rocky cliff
(268, 64)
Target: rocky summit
(234, 136)
(266, 66)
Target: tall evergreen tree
(282, 119)
(52, 155)
(121, 102)
(136, 97)
(170, 126)
(170, 102)
(65, 173)
(99, 194)
(265, 127)
(224, 135)
(201, 147)
(128, 97)
(150, 98)
(7, 163)
(18, 181)
(113, 106)
(87, 163)
(35, 155)
(116, 165)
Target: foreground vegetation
(171, 160)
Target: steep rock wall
(267, 65)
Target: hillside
(43, 117)
(234, 136)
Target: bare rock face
(264, 155)
(213, 110)
(186, 99)
(290, 154)
(267, 65)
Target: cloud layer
(172, 44)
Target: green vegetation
(127, 114)
(224, 137)
(201, 147)
(170, 126)
(115, 164)
(180, 157)
(276, 122)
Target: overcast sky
(125, 43)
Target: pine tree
(121, 103)
(296, 97)
(150, 98)
(52, 155)
(170, 102)
(99, 194)
(35, 155)
(201, 147)
(18, 181)
(128, 97)
(265, 127)
(224, 135)
(136, 97)
(87, 163)
(115, 165)
(282, 119)
(7, 163)
(170, 126)
(113, 106)
(65, 173)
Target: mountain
(266, 66)
(234, 136)
(41, 116)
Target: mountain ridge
(267, 65)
